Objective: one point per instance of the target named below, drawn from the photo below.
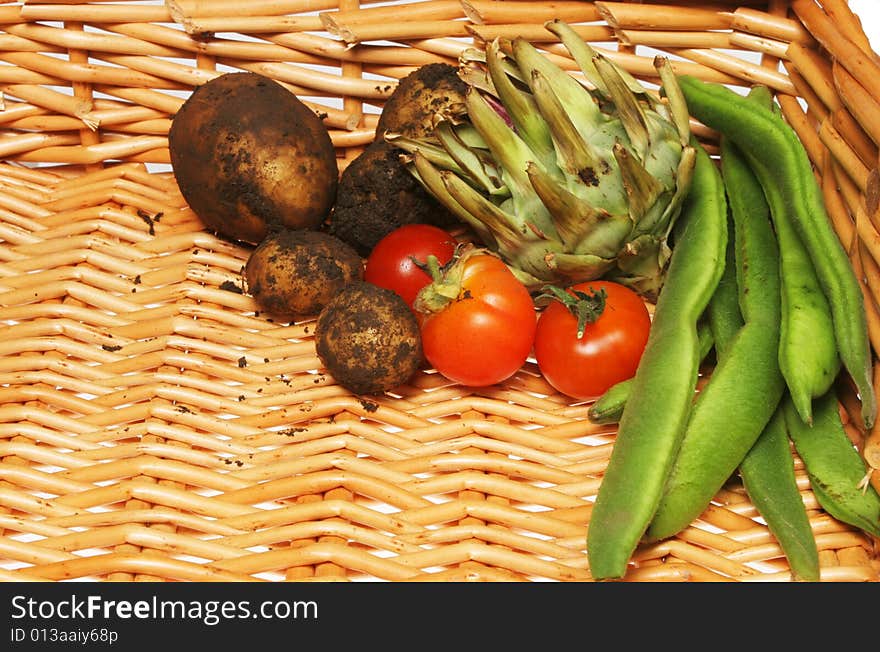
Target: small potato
(295, 273)
(376, 195)
(431, 89)
(368, 339)
(248, 155)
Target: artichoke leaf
(584, 56)
(576, 268)
(514, 156)
(486, 177)
(522, 109)
(430, 177)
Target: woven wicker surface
(155, 426)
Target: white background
(869, 13)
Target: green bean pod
(834, 466)
(745, 387)
(718, 325)
(807, 347)
(780, 158)
(608, 408)
(808, 354)
(723, 313)
(651, 426)
(768, 476)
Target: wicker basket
(154, 426)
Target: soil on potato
(249, 155)
(376, 195)
(430, 89)
(368, 339)
(295, 273)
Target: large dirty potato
(248, 154)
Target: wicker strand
(155, 426)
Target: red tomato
(394, 263)
(609, 349)
(480, 330)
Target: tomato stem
(587, 307)
(431, 266)
(445, 284)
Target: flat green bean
(834, 466)
(651, 426)
(608, 408)
(774, 147)
(767, 472)
(807, 348)
(723, 313)
(717, 326)
(808, 354)
(745, 387)
(768, 476)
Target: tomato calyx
(586, 307)
(446, 280)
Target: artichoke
(566, 180)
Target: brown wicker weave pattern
(155, 426)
